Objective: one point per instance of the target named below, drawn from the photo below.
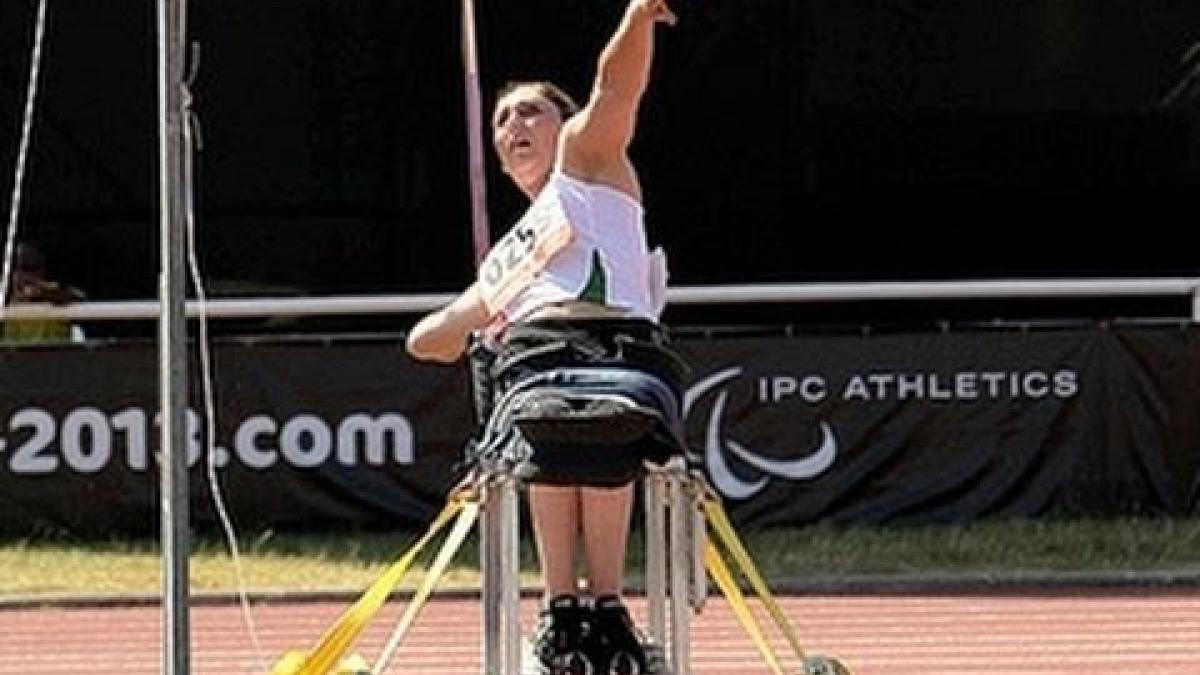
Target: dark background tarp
(880, 140)
(951, 427)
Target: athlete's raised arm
(594, 141)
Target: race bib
(508, 268)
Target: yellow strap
(338, 639)
(720, 522)
(454, 540)
(724, 578)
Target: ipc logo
(720, 451)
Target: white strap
(526, 250)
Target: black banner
(906, 427)
(307, 435)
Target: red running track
(1093, 632)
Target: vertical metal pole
(501, 572)
(698, 591)
(680, 567)
(172, 335)
(511, 585)
(489, 561)
(480, 235)
(656, 561)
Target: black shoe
(616, 647)
(563, 630)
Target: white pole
(510, 584)
(172, 335)
(491, 543)
(679, 513)
(227, 308)
(656, 552)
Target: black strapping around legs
(582, 402)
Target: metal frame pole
(510, 588)
(233, 308)
(172, 336)
(491, 578)
(501, 576)
(656, 561)
(680, 567)
(698, 540)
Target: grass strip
(291, 561)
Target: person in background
(588, 264)
(31, 284)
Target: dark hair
(550, 91)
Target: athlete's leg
(605, 520)
(556, 513)
(616, 646)
(564, 621)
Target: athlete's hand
(656, 10)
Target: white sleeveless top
(606, 262)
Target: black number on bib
(520, 254)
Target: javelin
(480, 234)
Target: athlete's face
(525, 128)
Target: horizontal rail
(230, 308)
(236, 308)
(933, 290)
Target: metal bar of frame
(680, 567)
(510, 599)
(172, 335)
(654, 487)
(501, 576)
(677, 295)
(491, 577)
(698, 540)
